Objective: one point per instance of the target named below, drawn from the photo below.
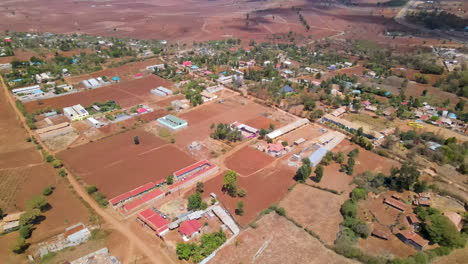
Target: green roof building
(172, 122)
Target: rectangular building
(76, 112)
(172, 122)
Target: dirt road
(155, 256)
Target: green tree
(195, 202)
(240, 208)
(242, 193)
(29, 217)
(349, 209)
(230, 183)
(37, 202)
(49, 158)
(1, 213)
(170, 179)
(303, 173)
(47, 190)
(19, 246)
(57, 163)
(318, 173)
(91, 189)
(25, 231)
(62, 173)
(340, 157)
(358, 194)
(136, 140)
(350, 166)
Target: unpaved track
(156, 256)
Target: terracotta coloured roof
(395, 203)
(455, 218)
(410, 235)
(188, 228)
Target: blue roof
(452, 116)
(116, 78)
(286, 89)
(434, 145)
(356, 91)
(195, 67)
(332, 67)
(317, 156)
(74, 61)
(387, 93)
(37, 91)
(17, 80)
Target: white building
(77, 234)
(76, 112)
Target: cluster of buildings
(412, 223)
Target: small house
(395, 204)
(189, 229)
(456, 219)
(413, 239)
(286, 89)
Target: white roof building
(76, 112)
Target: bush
(48, 191)
(37, 202)
(29, 217)
(358, 194)
(242, 193)
(349, 209)
(62, 173)
(57, 163)
(49, 158)
(19, 246)
(280, 211)
(91, 189)
(25, 231)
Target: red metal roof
(277, 147)
(191, 167)
(211, 166)
(143, 199)
(154, 220)
(188, 228)
(130, 194)
(395, 203)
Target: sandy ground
(276, 240)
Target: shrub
(242, 193)
(48, 191)
(62, 173)
(57, 163)
(19, 246)
(25, 231)
(280, 211)
(37, 202)
(91, 189)
(49, 158)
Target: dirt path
(154, 256)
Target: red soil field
(126, 94)
(248, 160)
(201, 118)
(116, 165)
(125, 72)
(263, 188)
(315, 209)
(24, 174)
(261, 122)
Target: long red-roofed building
(151, 195)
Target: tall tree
(230, 183)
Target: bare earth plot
(116, 165)
(248, 160)
(316, 210)
(264, 188)
(334, 179)
(277, 241)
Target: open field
(116, 165)
(263, 188)
(367, 160)
(277, 240)
(248, 160)
(316, 210)
(369, 122)
(441, 131)
(334, 179)
(125, 94)
(234, 108)
(125, 72)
